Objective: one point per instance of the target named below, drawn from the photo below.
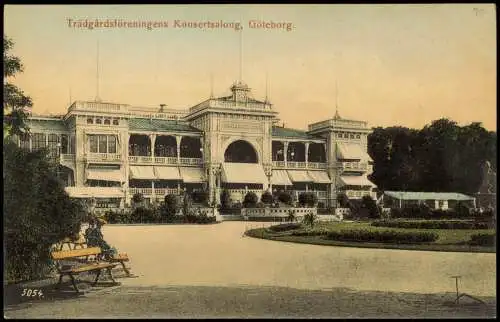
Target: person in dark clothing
(94, 238)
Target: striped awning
(105, 174)
(167, 173)
(280, 178)
(319, 176)
(352, 151)
(299, 176)
(356, 181)
(192, 175)
(243, 173)
(142, 172)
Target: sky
(389, 65)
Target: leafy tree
(37, 212)
(170, 207)
(285, 197)
(16, 104)
(266, 197)
(310, 219)
(370, 207)
(343, 200)
(137, 199)
(307, 199)
(250, 200)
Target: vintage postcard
(250, 161)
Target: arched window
(240, 152)
(90, 120)
(98, 121)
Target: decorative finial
(337, 115)
(267, 99)
(211, 85)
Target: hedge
(285, 227)
(382, 236)
(312, 232)
(483, 239)
(431, 224)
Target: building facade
(112, 151)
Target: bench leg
(125, 268)
(60, 281)
(97, 277)
(110, 274)
(74, 283)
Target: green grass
(449, 239)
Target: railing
(360, 194)
(164, 160)
(215, 103)
(143, 191)
(299, 165)
(155, 191)
(98, 106)
(166, 191)
(319, 194)
(346, 166)
(68, 157)
(103, 157)
(337, 123)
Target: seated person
(94, 238)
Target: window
(115, 122)
(53, 140)
(352, 136)
(98, 121)
(358, 136)
(102, 143)
(90, 121)
(93, 143)
(38, 141)
(107, 122)
(64, 144)
(72, 149)
(111, 144)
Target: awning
(243, 173)
(352, 151)
(299, 176)
(105, 174)
(167, 173)
(94, 192)
(412, 195)
(280, 178)
(356, 181)
(192, 175)
(142, 172)
(319, 176)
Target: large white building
(112, 151)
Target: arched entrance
(240, 152)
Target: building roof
(409, 195)
(46, 124)
(160, 125)
(284, 132)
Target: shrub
(187, 204)
(483, 239)
(370, 206)
(307, 199)
(310, 219)
(171, 205)
(311, 232)
(250, 200)
(114, 217)
(285, 197)
(431, 224)
(138, 198)
(291, 215)
(266, 197)
(387, 236)
(143, 215)
(261, 205)
(343, 200)
(37, 212)
(200, 197)
(285, 227)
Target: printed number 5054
(32, 292)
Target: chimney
(162, 106)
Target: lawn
(448, 240)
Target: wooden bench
(121, 258)
(78, 263)
(72, 243)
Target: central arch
(240, 151)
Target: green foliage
(432, 224)
(171, 206)
(308, 199)
(15, 102)
(250, 200)
(138, 198)
(370, 207)
(343, 200)
(422, 211)
(310, 219)
(187, 204)
(291, 215)
(285, 197)
(37, 212)
(483, 239)
(285, 227)
(441, 157)
(266, 197)
(382, 236)
(144, 215)
(116, 217)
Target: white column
(152, 139)
(153, 194)
(178, 141)
(307, 187)
(307, 153)
(285, 152)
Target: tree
(250, 200)
(343, 200)
(310, 219)
(16, 104)
(37, 212)
(308, 199)
(370, 207)
(170, 207)
(285, 197)
(266, 197)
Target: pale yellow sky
(395, 64)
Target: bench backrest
(63, 254)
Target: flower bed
(483, 239)
(431, 224)
(382, 236)
(285, 227)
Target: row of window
(344, 135)
(105, 121)
(51, 141)
(102, 143)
